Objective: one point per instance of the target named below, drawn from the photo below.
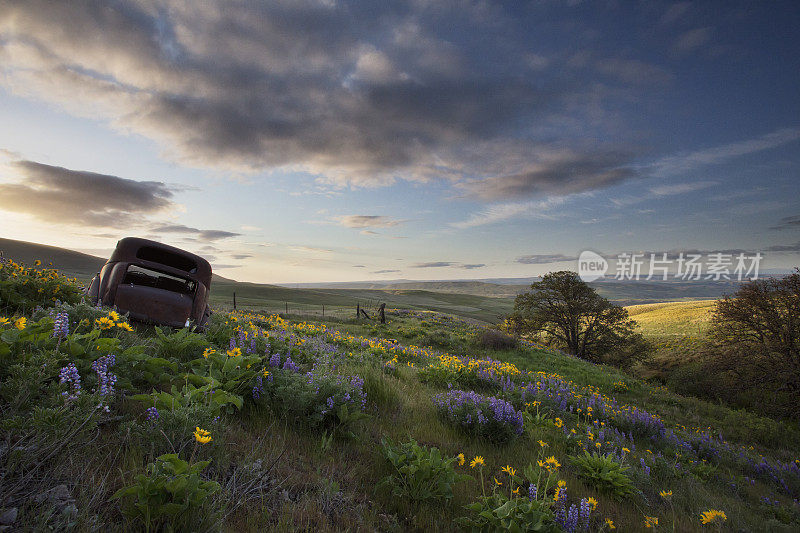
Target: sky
(324, 140)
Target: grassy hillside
(280, 402)
(70, 263)
(673, 318)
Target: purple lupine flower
(533, 491)
(69, 374)
(61, 325)
(152, 414)
(290, 365)
(105, 378)
(275, 360)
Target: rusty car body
(154, 283)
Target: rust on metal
(154, 283)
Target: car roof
(145, 251)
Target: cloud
(558, 172)
(473, 266)
(686, 162)
(508, 211)
(241, 256)
(434, 264)
(198, 234)
(384, 271)
(350, 95)
(250, 228)
(359, 266)
(543, 259)
(368, 221)
(788, 222)
(63, 196)
(792, 248)
(691, 40)
(681, 188)
(218, 267)
(369, 232)
(675, 12)
(634, 71)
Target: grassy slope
(320, 486)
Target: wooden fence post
(234, 300)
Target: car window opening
(156, 255)
(138, 275)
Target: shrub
(498, 513)
(495, 340)
(163, 429)
(484, 416)
(604, 473)
(419, 473)
(24, 288)
(170, 495)
(318, 399)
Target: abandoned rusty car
(154, 283)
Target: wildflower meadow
(265, 421)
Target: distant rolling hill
(274, 298)
(74, 264)
(485, 300)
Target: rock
(59, 496)
(8, 517)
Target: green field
(672, 319)
(284, 461)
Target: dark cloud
(384, 271)
(241, 256)
(368, 221)
(197, 234)
(359, 266)
(633, 71)
(434, 264)
(543, 259)
(788, 222)
(783, 247)
(356, 92)
(560, 173)
(60, 195)
(473, 266)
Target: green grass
(316, 484)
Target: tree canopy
(565, 309)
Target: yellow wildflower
(542, 443)
(20, 322)
(592, 502)
(113, 315)
(3, 321)
(515, 492)
(208, 351)
(104, 323)
(551, 462)
(497, 482)
(666, 494)
(713, 516)
(477, 461)
(626, 450)
(461, 459)
(558, 422)
(508, 470)
(650, 521)
(236, 352)
(202, 436)
(610, 524)
(125, 326)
